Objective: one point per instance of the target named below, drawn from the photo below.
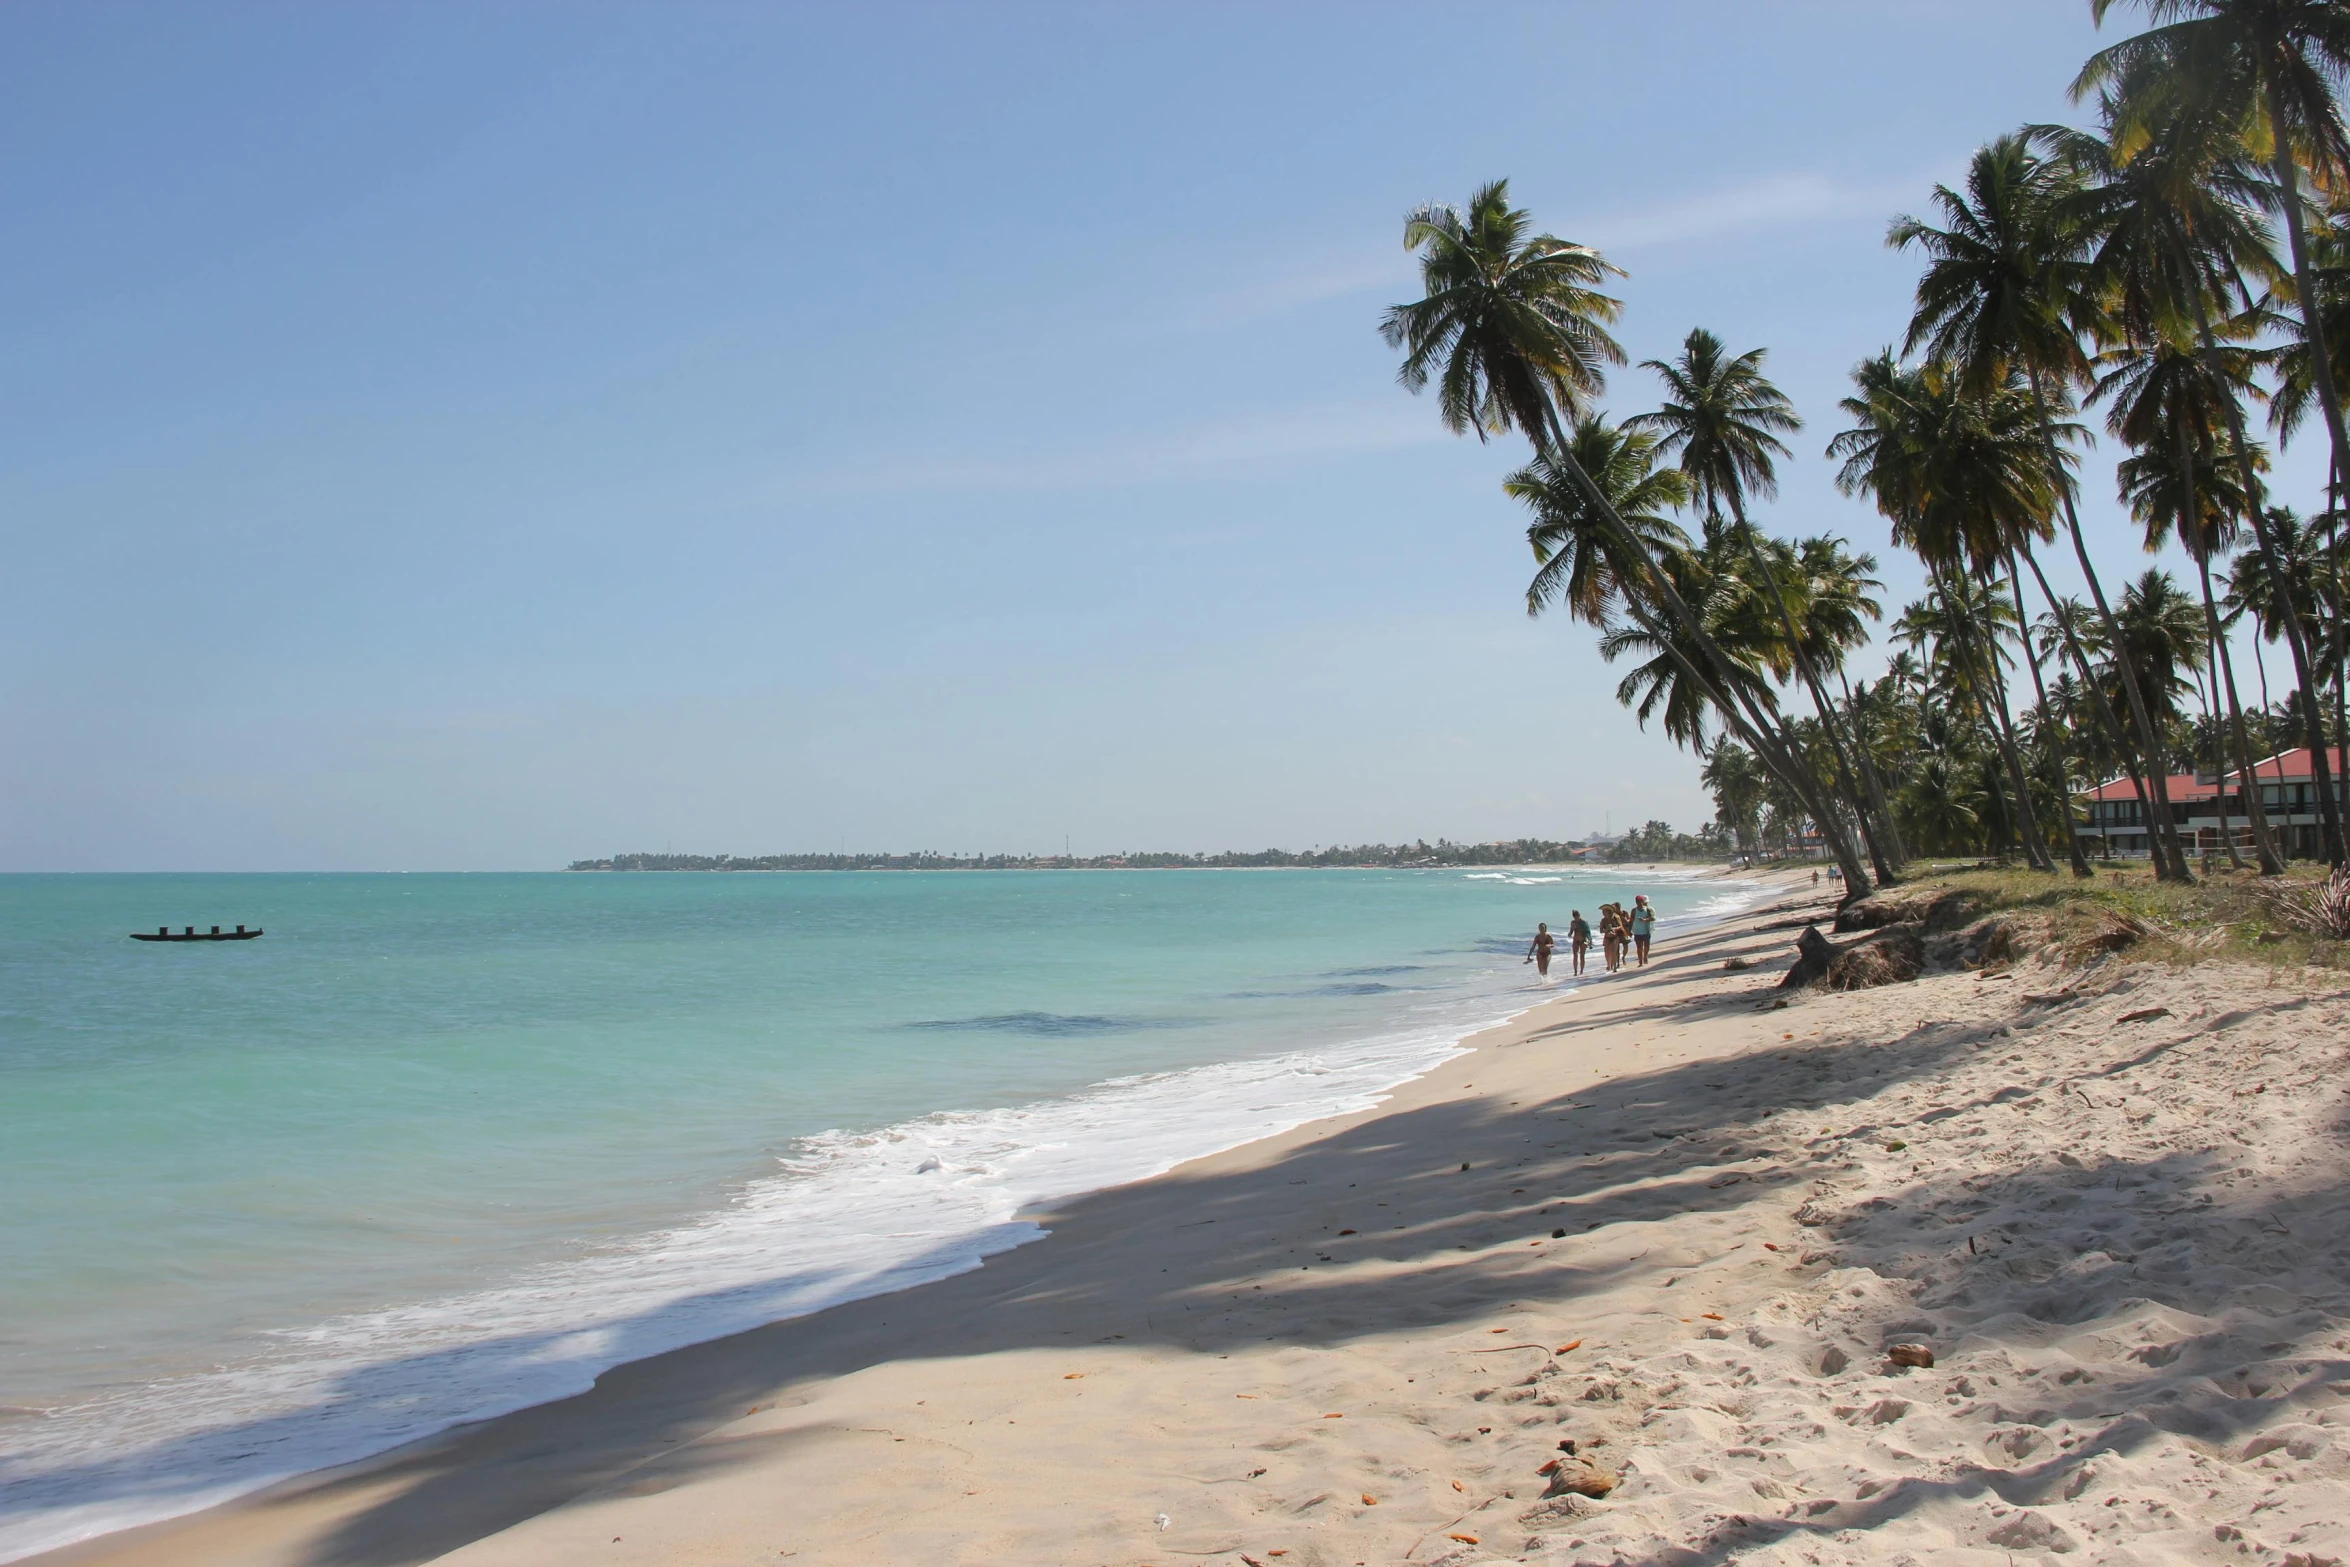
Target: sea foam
(846, 1216)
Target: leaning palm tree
(1736, 783)
(1578, 566)
(1960, 478)
(2277, 66)
(2170, 406)
(2295, 368)
(1961, 626)
(2008, 293)
(1512, 327)
(1718, 581)
(2309, 570)
(2296, 361)
(1723, 418)
(2174, 202)
(2267, 72)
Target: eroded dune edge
(2107, 1198)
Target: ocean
(442, 1146)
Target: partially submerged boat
(166, 933)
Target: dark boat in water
(166, 933)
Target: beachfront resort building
(2210, 809)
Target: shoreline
(264, 1499)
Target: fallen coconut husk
(1580, 1477)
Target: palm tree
(2165, 631)
(1579, 568)
(2171, 406)
(2007, 292)
(1724, 418)
(2268, 71)
(1961, 479)
(1716, 581)
(1512, 327)
(1945, 804)
(1960, 625)
(2173, 203)
(2068, 623)
(2272, 66)
(1737, 786)
(2308, 569)
(2296, 373)
(2296, 361)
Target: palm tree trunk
(2219, 771)
(1761, 735)
(1868, 771)
(2027, 815)
(2190, 531)
(2224, 674)
(1751, 726)
(2102, 706)
(2305, 673)
(2064, 803)
(2021, 820)
(2209, 731)
(1887, 873)
(2288, 176)
(2162, 838)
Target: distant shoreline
(1678, 849)
(1723, 866)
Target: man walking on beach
(1539, 953)
(1643, 926)
(1579, 938)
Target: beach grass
(2227, 914)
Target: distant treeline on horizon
(1649, 844)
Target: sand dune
(1690, 1224)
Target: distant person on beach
(1539, 953)
(1611, 935)
(1643, 924)
(1579, 938)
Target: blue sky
(479, 436)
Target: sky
(479, 436)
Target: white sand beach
(1665, 1218)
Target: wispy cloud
(1150, 457)
(1775, 201)
(1282, 289)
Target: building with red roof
(2209, 808)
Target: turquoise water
(439, 1146)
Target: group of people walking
(1620, 930)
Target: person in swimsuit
(1579, 938)
(1643, 926)
(1539, 953)
(1611, 935)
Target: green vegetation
(2134, 270)
(1656, 841)
(2225, 915)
